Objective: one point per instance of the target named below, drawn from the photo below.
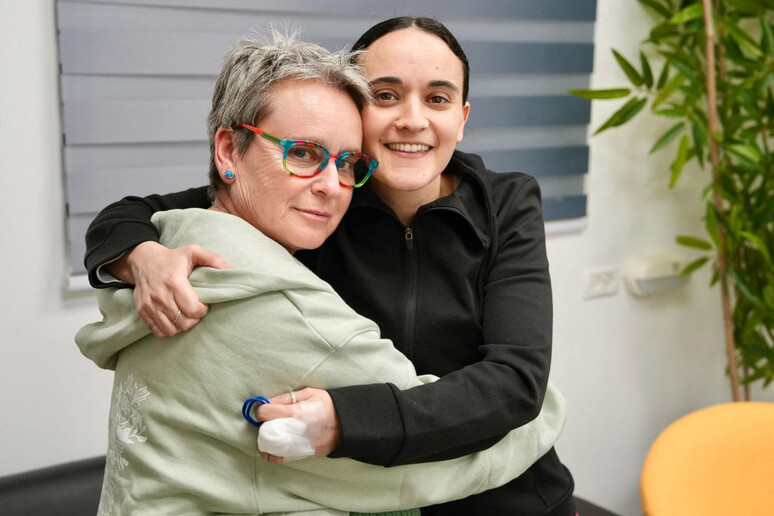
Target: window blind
(137, 77)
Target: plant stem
(712, 113)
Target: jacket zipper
(409, 234)
(411, 294)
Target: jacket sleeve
(355, 486)
(352, 485)
(124, 224)
(472, 408)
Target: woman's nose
(327, 181)
(412, 116)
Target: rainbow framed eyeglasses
(306, 159)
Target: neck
(406, 203)
(223, 203)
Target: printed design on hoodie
(127, 428)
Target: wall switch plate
(600, 281)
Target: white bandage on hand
(292, 437)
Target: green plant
(715, 82)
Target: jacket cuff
(371, 425)
(118, 243)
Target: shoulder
(258, 263)
(501, 191)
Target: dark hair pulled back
(428, 25)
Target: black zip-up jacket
(464, 292)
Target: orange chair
(715, 461)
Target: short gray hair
(243, 90)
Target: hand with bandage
(298, 425)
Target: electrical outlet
(600, 281)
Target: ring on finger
(152, 325)
(179, 313)
(293, 397)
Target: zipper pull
(409, 239)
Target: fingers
(163, 295)
(307, 394)
(205, 258)
(271, 458)
(269, 411)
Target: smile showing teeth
(408, 147)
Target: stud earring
(229, 174)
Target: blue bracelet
(247, 407)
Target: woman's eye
(384, 96)
(302, 153)
(438, 99)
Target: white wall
(626, 366)
(55, 403)
(629, 366)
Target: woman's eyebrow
(444, 84)
(387, 79)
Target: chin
(407, 181)
(309, 243)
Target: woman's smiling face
(418, 116)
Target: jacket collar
(470, 200)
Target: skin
(417, 120)
(298, 213)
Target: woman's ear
(225, 153)
(465, 113)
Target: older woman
(285, 134)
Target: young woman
(447, 257)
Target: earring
(229, 174)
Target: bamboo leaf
(767, 36)
(747, 6)
(744, 152)
(768, 295)
(657, 7)
(631, 72)
(647, 73)
(693, 27)
(715, 276)
(667, 91)
(744, 40)
(683, 66)
(671, 113)
(770, 109)
(711, 223)
(743, 288)
(680, 159)
(758, 243)
(696, 243)
(613, 93)
(667, 137)
(699, 137)
(663, 76)
(663, 31)
(764, 83)
(734, 53)
(623, 115)
(692, 12)
(694, 265)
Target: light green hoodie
(178, 442)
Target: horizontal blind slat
(201, 54)
(528, 9)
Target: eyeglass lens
(304, 159)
